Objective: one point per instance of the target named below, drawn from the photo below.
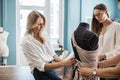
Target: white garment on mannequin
(4, 51)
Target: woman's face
(39, 26)
(100, 15)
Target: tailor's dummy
(4, 51)
(85, 47)
(84, 38)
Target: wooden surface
(15, 73)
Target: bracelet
(94, 72)
(106, 55)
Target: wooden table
(15, 73)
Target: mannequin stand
(4, 61)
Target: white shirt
(37, 54)
(109, 43)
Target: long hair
(96, 26)
(32, 19)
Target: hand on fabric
(102, 56)
(85, 71)
(69, 62)
(101, 64)
(56, 58)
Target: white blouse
(109, 43)
(37, 54)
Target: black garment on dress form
(85, 39)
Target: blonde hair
(32, 19)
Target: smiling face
(100, 15)
(39, 26)
(35, 23)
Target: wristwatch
(94, 72)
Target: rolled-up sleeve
(52, 51)
(32, 56)
(49, 45)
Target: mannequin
(85, 39)
(4, 51)
(85, 46)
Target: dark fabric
(75, 52)
(109, 79)
(74, 70)
(112, 79)
(86, 39)
(47, 75)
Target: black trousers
(109, 79)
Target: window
(53, 11)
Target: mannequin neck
(82, 26)
(1, 30)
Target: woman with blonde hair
(38, 51)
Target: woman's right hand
(101, 64)
(102, 56)
(69, 62)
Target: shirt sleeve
(49, 45)
(52, 51)
(117, 44)
(32, 56)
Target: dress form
(85, 39)
(4, 51)
(85, 47)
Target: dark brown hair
(96, 26)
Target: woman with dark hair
(108, 31)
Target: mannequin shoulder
(4, 33)
(92, 35)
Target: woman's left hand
(56, 58)
(85, 71)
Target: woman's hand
(101, 64)
(85, 71)
(56, 58)
(69, 62)
(102, 56)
